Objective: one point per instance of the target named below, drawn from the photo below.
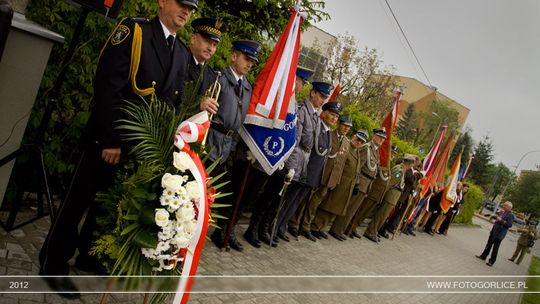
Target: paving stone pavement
(406, 255)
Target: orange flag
(450, 194)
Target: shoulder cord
(371, 167)
(323, 153)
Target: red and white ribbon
(189, 131)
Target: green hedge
(473, 199)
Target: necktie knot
(170, 42)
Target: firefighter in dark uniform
(141, 58)
(232, 106)
(203, 43)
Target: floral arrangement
(157, 213)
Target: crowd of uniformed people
(331, 179)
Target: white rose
(182, 161)
(181, 241)
(185, 213)
(190, 226)
(162, 217)
(171, 182)
(193, 190)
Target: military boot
(264, 233)
(252, 234)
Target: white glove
(281, 166)
(289, 175)
(250, 157)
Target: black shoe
(356, 234)
(489, 264)
(480, 257)
(293, 232)
(90, 264)
(317, 234)
(430, 232)
(371, 238)
(511, 260)
(252, 239)
(64, 286)
(323, 235)
(336, 236)
(283, 236)
(384, 235)
(412, 233)
(217, 238)
(235, 243)
(308, 235)
(406, 232)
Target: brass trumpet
(212, 92)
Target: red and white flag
(389, 124)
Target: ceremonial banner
(465, 171)
(450, 195)
(428, 165)
(389, 124)
(335, 92)
(269, 129)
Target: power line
(408, 42)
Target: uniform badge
(121, 33)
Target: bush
(472, 202)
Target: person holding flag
(232, 108)
(260, 179)
(308, 128)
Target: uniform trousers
(294, 197)
(91, 175)
(365, 210)
(342, 222)
(306, 213)
(381, 214)
(521, 250)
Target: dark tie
(170, 43)
(238, 88)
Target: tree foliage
(481, 164)
(464, 143)
(525, 195)
(259, 20)
(472, 202)
(407, 124)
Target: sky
(484, 54)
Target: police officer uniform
(315, 167)
(258, 230)
(223, 133)
(308, 128)
(137, 60)
(331, 177)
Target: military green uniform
(372, 200)
(333, 170)
(367, 173)
(389, 200)
(337, 199)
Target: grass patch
(533, 284)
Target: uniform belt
(368, 176)
(221, 129)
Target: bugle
(212, 92)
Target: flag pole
(230, 223)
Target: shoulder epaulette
(140, 19)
